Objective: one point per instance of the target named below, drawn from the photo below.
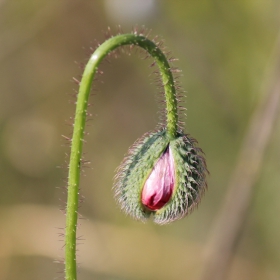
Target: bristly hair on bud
(161, 178)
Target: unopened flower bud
(161, 177)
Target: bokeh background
(224, 49)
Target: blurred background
(225, 50)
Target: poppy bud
(161, 177)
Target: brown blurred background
(225, 49)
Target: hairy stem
(79, 128)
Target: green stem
(79, 128)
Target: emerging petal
(160, 184)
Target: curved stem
(79, 127)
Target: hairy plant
(163, 174)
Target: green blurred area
(224, 50)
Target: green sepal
(190, 183)
(134, 171)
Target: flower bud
(160, 177)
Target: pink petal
(160, 183)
